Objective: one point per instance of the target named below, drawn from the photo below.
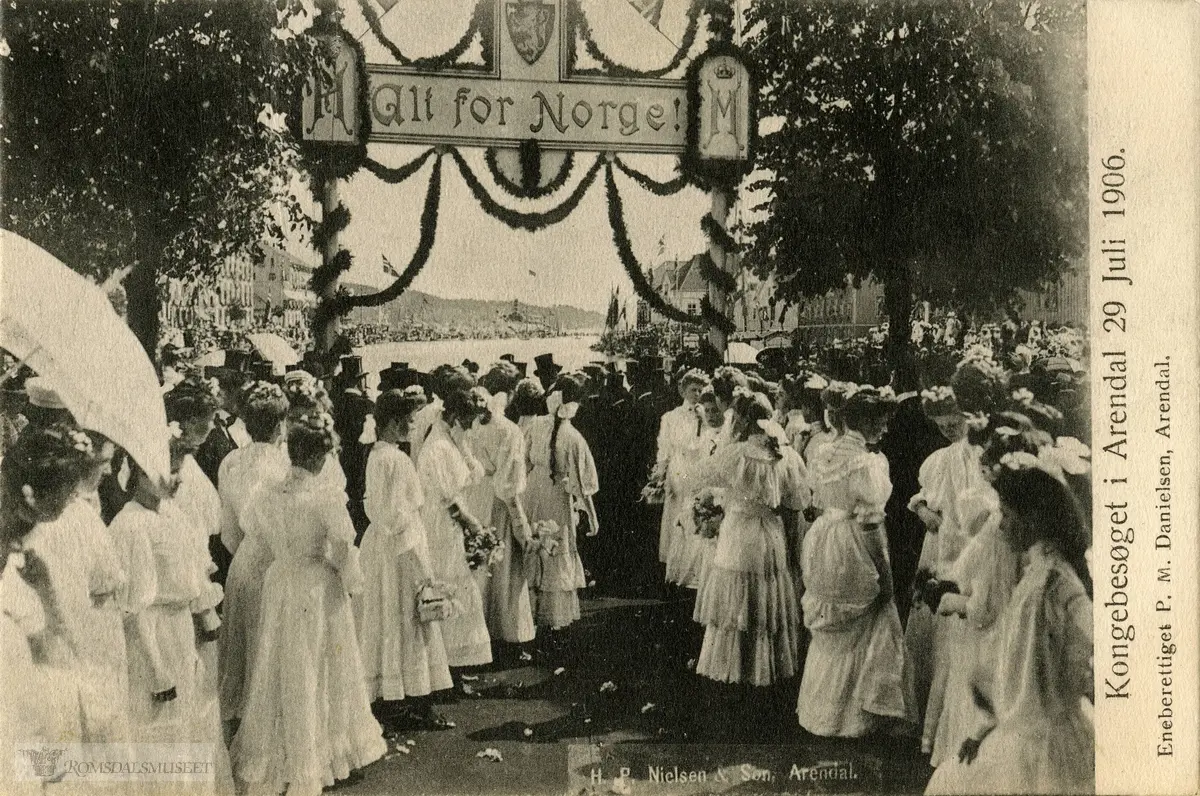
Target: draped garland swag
(339, 163)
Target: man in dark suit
(223, 439)
(351, 407)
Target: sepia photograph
(564, 397)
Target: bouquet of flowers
(707, 514)
(546, 538)
(483, 546)
(654, 492)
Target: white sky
(476, 256)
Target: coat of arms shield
(530, 23)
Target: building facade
(223, 299)
(281, 293)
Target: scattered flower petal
(608, 687)
(649, 706)
(528, 732)
(492, 754)
(559, 670)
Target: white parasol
(738, 353)
(274, 348)
(64, 327)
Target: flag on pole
(651, 10)
(662, 248)
(388, 269)
(532, 272)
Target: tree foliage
(939, 147)
(149, 133)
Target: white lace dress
(677, 432)
(401, 655)
(306, 718)
(747, 600)
(854, 671)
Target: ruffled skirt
(561, 574)
(307, 720)
(750, 614)
(401, 655)
(686, 556)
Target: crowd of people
(327, 559)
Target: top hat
(352, 369)
(509, 358)
(236, 359)
(397, 376)
(546, 364)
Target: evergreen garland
(521, 191)
(718, 235)
(429, 221)
(327, 273)
(672, 186)
(646, 291)
(530, 222)
(715, 319)
(724, 280)
(578, 24)
(481, 23)
(398, 174)
(333, 223)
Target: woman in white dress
(446, 470)
(1035, 735)
(404, 659)
(84, 568)
(747, 600)
(726, 381)
(854, 673)
(38, 479)
(499, 445)
(562, 481)
(678, 431)
(306, 718)
(244, 472)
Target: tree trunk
(141, 292)
(898, 301)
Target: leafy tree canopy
(939, 147)
(149, 133)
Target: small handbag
(434, 603)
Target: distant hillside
(415, 307)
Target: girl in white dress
(562, 481)
(678, 431)
(306, 718)
(499, 445)
(446, 470)
(1034, 735)
(854, 671)
(243, 473)
(725, 382)
(690, 552)
(403, 657)
(164, 663)
(832, 425)
(747, 600)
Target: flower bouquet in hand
(707, 514)
(435, 602)
(654, 492)
(483, 546)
